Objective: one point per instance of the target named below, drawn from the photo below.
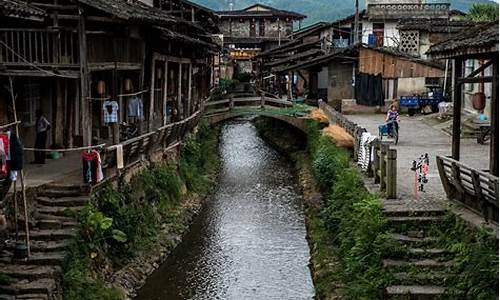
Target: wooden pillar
(392, 170)
(189, 96)
(86, 111)
(180, 108)
(58, 134)
(457, 108)
(152, 95)
(494, 120)
(165, 93)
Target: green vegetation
(475, 268)
(351, 221)
(483, 12)
(120, 225)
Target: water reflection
(249, 241)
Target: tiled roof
(343, 54)
(20, 9)
(479, 39)
(435, 25)
(268, 11)
(131, 11)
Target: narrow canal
(249, 240)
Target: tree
(483, 12)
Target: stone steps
(25, 297)
(422, 265)
(50, 235)
(59, 193)
(36, 258)
(416, 242)
(415, 292)
(63, 202)
(40, 287)
(61, 211)
(43, 246)
(428, 278)
(30, 272)
(432, 253)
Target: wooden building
(254, 29)
(476, 189)
(68, 57)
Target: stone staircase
(51, 232)
(420, 271)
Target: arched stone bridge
(262, 106)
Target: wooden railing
(42, 47)
(475, 189)
(383, 168)
(142, 147)
(226, 105)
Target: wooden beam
(494, 121)
(152, 96)
(165, 93)
(180, 108)
(86, 111)
(480, 69)
(475, 79)
(190, 82)
(457, 108)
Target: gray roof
(435, 25)
(20, 9)
(476, 40)
(269, 12)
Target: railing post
(444, 179)
(231, 102)
(262, 101)
(391, 190)
(383, 156)
(376, 161)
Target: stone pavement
(416, 138)
(64, 170)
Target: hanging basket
(479, 101)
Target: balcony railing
(41, 47)
(410, 10)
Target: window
(252, 28)
(262, 27)
(378, 32)
(469, 68)
(31, 103)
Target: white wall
(391, 34)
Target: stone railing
(472, 188)
(383, 166)
(405, 10)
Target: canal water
(249, 240)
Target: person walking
(42, 126)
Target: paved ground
(417, 138)
(64, 170)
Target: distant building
(256, 28)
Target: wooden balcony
(381, 11)
(40, 47)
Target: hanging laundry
(110, 111)
(119, 156)
(16, 162)
(3, 164)
(92, 170)
(99, 174)
(136, 108)
(5, 144)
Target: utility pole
(356, 24)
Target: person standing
(42, 126)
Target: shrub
(328, 162)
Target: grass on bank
(119, 225)
(351, 226)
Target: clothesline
(98, 99)
(67, 149)
(10, 125)
(133, 94)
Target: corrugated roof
(479, 39)
(342, 54)
(20, 9)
